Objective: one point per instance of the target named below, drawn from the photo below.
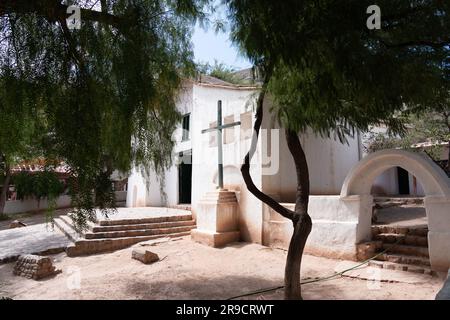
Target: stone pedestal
(217, 219)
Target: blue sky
(209, 46)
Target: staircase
(110, 235)
(407, 248)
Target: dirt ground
(188, 270)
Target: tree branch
(301, 166)
(417, 43)
(245, 168)
(54, 11)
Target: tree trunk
(5, 188)
(300, 218)
(448, 158)
(292, 287)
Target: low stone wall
(334, 232)
(30, 205)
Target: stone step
(404, 259)
(138, 233)
(126, 227)
(95, 246)
(399, 201)
(187, 207)
(406, 250)
(174, 218)
(420, 231)
(62, 224)
(401, 267)
(412, 240)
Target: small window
(186, 127)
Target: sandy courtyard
(188, 270)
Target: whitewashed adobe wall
(342, 222)
(328, 164)
(204, 171)
(145, 190)
(31, 205)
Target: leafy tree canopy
(97, 88)
(326, 70)
(330, 72)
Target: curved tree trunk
(292, 288)
(302, 221)
(5, 188)
(300, 218)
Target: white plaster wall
(137, 189)
(328, 161)
(334, 232)
(386, 183)
(419, 192)
(146, 190)
(31, 204)
(204, 169)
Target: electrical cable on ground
(338, 274)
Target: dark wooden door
(403, 181)
(185, 178)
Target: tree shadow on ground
(199, 288)
(223, 288)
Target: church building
(210, 144)
(195, 169)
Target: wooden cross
(219, 129)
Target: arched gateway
(434, 181)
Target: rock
(34, 267)
(17, 224)
(145, 256)
(367, 250)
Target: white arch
(434, 181)
(361, 177)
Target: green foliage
(329, 72)
(381, 141)
(220, 71)
(105, 93)
(429, 127)
(20, 127)
(39, 185)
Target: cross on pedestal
(219, 129)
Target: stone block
(367, 250)
(215, 239)
(144, 256)
(34, 267)
(217, 219)
(17, 224)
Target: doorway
(185, 177)
(403, 181)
